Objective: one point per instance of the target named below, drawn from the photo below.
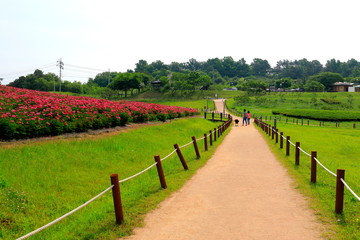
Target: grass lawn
(337, 149)
(40, 181)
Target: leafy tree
(314, 86)
(104, 78)
(259, 67)
(141, 66)
(327, 79)
(283, 83)
(333, 66)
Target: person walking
(248, 116)
(244, 118)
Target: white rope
(304, 152)
(65, 215)
(325, 167)
(168, 155)
(186, 144)
(209, 134)
(353, 193)
(199, 139)
(139, 173)
(292, 143)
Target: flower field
(27, 113)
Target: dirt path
(241, 193)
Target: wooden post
(221, 116)
(205, 142)
(218, 131)
(196, 147)
(339, 202)
(277, 135)
(210, 135)
(287, 145)
(119, 215)
(272, 133)
(313, 167)
(181, 157)
(214, 134)
(281, 140)
(205, 115)
(212, 114)
(308, 122)
(297, 153)
(270, 130)
(354, 125)
(160, 171)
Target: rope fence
(303, 121)
(268, 129)
(116, 183)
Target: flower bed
(27, 113)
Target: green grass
(196, 104)
(264, 105)
(336, 149)
(40, 181)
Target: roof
(342, 84)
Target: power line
(50, 65)
(88, 68)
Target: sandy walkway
(241, 193)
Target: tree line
(214, 73)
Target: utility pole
(60, 63)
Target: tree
(327, 79)
(104, 78)
(333, 66)
(122, 81)
(259, 67)
(314, 86)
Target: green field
(41, 181)
(336, 149)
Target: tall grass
(336, 149)
(41, 181)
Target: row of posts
(213, 116)
(273, 132)
(114, 178)
(337, 124)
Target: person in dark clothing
(244, 118)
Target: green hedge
(322, 115)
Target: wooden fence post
(181, 157)
(221, 115)
(210, 135)
(270, 128)
(205, 115)
(277, 136)
(196, 147)
(160, 171)
(297, 153)
(214, 134)
(339, 202)
(205, 142)
(218, 129)
(272, 133)
(119, 216)
(287, 145)
(313, 167)
(212, 114)
(281, 140)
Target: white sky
(116, 34)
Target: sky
(92, 36)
